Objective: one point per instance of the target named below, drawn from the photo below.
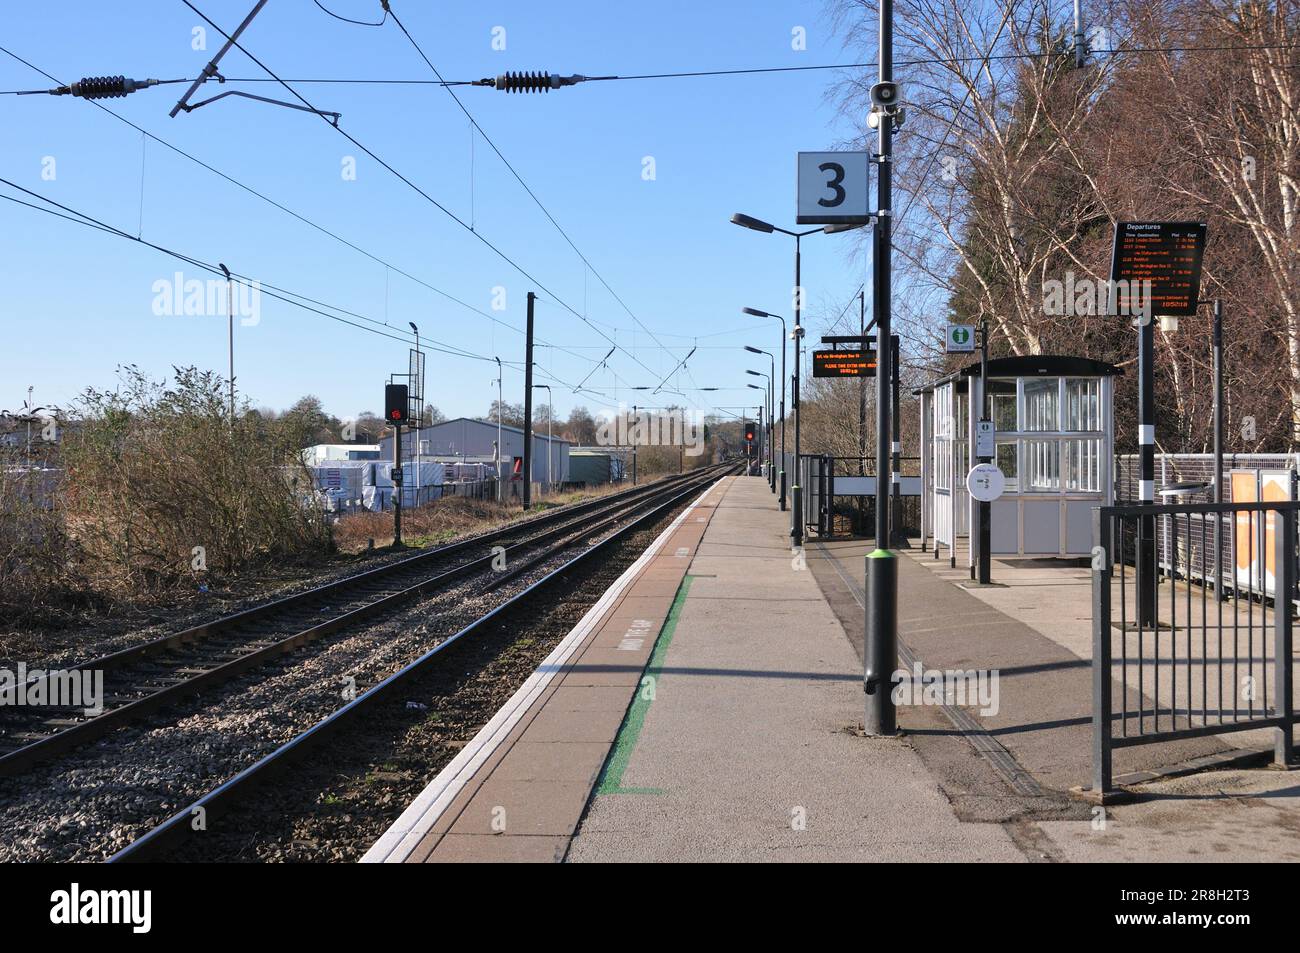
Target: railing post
(1101, 674)
(1284, 584)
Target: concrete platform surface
(518, 789)
(748, 750)
(708, 708)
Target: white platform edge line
(400, 840)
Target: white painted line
(399, 841)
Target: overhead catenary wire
(336, 16)
(739, 72)
(479, 236)
(277, 292)
(744, 71)
(292, 213)
(382, 328)
(519, 178)
(952, 123)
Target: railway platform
(708, 709)
(705, 708)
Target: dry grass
(447, 519)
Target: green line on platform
(611, 776)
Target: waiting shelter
(1054, 429)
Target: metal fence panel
(1212, 654)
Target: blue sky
(77, 303)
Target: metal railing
(817, 474)
(1192, 652)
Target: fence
(1196, 659)
(380, 499)
(840, 491)
(1193, 467)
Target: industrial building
(322, 452)
(466, 440)
(593, 466)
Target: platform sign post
(834, 188)
(880, 643)
(985, 449)
(959, 339)
(1155, 271)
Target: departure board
(1168, 255)
(844, 363)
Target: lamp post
(550, 422)
(758, 225)
(771, 409)
(766, 391)
(419, 421)
(767, 400)
(230, 332)
(500, 446)
(754, 312)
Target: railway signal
(397, 406)
(397, 409)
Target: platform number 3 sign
(834, 188)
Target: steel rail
(178, 827)
(79, 733)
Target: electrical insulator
(105, 87)
(525, 82)
(515, 82)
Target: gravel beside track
(96, 800)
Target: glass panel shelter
(1054, 441)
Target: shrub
(161, 485)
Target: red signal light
(396, 404)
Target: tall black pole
(771, 425)
(985, 508)
(881, 641)
(1218, 401)
(397, 484)
(862, 388)
(896, 428)
(1218, 440)
(1146, 541)
(796, 509)
(862, 411)
(528, 407)
(781, 475)
(633, 435)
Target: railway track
(171, 832)
(143, 679)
